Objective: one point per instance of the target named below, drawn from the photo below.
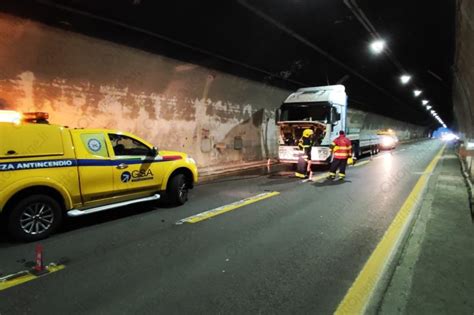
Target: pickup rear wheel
(34, 218)
(177, 190)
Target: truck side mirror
(335, 116)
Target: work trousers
(338, 164)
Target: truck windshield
(319, 111)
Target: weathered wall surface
(87, 82)
(463, 90)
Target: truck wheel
(357, 151)
(34, 218)
(177, 190)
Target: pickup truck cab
(49, 171)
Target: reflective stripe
(346, 148)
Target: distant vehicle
(48, 171)
(388, 139)
(323, 109)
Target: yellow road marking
(217, 211)
(25, 276)
(360, 163)
(358, 296)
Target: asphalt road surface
(295, 252)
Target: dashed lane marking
(26, 276)
(220, 210)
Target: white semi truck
(323, 109)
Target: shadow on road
(71, 224)
(329, 182)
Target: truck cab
(50, 171)
(322, 109)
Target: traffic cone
(39, 264)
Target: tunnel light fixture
(424, 102)
(377, 46)
(417, 92)
(429, 107)
(405, 78)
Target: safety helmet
(307, 133)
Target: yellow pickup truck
(49, 171)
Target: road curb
(468, 182)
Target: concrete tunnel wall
(463, 81)
(463, 89)
(87, 82)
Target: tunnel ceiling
(288, 43)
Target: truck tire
(356, 149)
(177, 190)
(34, 218)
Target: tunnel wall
(463, 89)
(83, 82)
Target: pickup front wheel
(177, 190)
(34, 218)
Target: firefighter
(342, 155)
(304, 161)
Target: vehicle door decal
(40, 164)
(30, 165)
(136, 176)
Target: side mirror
(154, 151)
(277, 115)
(335, 116)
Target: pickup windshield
(319, 111)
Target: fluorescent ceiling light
(405, 78)
(377, 46)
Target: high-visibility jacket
(305, 144)
(342, 148)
